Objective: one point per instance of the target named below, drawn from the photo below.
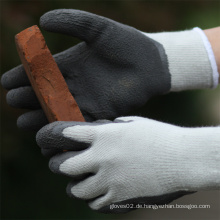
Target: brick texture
(45, 77)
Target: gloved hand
(115, 69)
(132, 160)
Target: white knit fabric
(211, 56)
(191, 62)
(141, 157)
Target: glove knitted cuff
(191, 60)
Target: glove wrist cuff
(190, 59)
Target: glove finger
(15, 78)
(73, 164)
(23, 97)
(32, 121)
(87, 189)
(83, 25)
(53, 136)
(98, 203)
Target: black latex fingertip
(48, 18)
(58, 159)
(54, 165)
(3, 81)
(69, 187)
(51, 137)
(43, 20)
(76, 23)
(40, 136)
(15, 78)
(68, 190)
(23, 97)
(32, 121)
(12, 99)
(24, 125)
(9, 98)
(45, 133)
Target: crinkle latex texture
(114, 70)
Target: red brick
(45, 77)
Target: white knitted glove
(191, 61)
(133, 160)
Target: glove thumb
(83, 25)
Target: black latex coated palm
(113, 71)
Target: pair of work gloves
(115, 69)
